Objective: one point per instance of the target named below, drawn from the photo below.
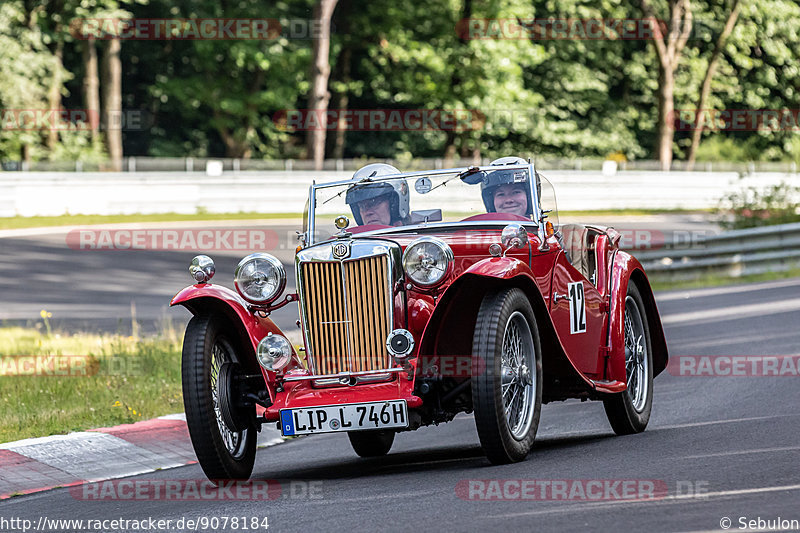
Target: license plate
(347, 417)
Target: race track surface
(733, 440)
(95, 289)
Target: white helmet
(396, 191)
(494, 179)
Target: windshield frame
(310, 222)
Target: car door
(579, 315)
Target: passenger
(507, 191)
(384, 203)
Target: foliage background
(569, 98)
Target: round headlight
(427, 261)
(274, 352)
(260, 278)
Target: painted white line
(743, 452)
(680, 498)
(691, 346)
(398, 495)
(175, 416)
(728, 421)
(741, 311)
(718, 291)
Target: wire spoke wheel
(629, 411)
(518, 384)
(507, 394)
(222, 452)
(233, 440)
(637, 359)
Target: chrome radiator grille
(348, 313)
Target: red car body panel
(575, 365)
(582, 348)
(624, 269)
(216, 298)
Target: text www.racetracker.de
(120, 525)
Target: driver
(385, 203)
(507, 191)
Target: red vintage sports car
(455, 291)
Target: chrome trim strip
(346, 374)
(345, 297)
(537, 208)
(312, 207)
(420, 173)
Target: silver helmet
(494, 179)
(395, 190)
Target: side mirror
(472, 176)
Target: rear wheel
(371, 443)
(507, 376)
(629, 411)
(223, 452)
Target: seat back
(578, 242)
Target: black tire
(502, 313)
(629, 411)
(205, 343)
(371, 443)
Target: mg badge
(341, 250)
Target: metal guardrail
(731, 254)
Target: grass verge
(85, 220)
(116, 380)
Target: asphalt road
(103, 290)
(731, 439)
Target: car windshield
(494, 195)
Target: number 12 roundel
(577, 308)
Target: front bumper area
(301, 394)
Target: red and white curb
(43, 463)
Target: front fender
(457, 308)
(500, 267)
(626, 268)
(249, 328)
(450, 329)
